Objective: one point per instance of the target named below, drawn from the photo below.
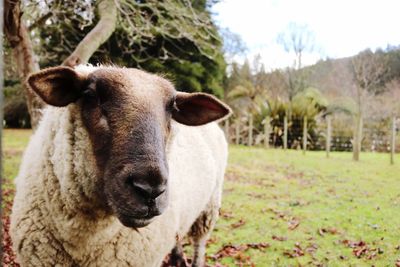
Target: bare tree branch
(368, 71)
(19, 39)
(40, 21)
(97, 36)
(297, 39)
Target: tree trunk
(358, 126)
(18, 36)
(357, 137)
(1, 115)
(97, 36)
(19, 40)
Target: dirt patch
(245, 179)
(9, 257)
(10, 152)
(237, 252)
(362, 250)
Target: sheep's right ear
(58, 86)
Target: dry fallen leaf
(236, 251)
(323, 231)
(238, 224)
(9, 257)
(226, 214)
(279, 238)
(293, 224)
(297, 251)
(362, 249)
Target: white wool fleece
(57, 218)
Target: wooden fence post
(237, 131)
(358, 129)
(285, 132)
(328, 136)
(393, 141)
(304, 134)
(250, 142)
(266, 132)
(226, 130)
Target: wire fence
(331, 133)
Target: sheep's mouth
(135, 222)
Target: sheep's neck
(74, 191)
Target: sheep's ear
(198, 109)
(58, 86)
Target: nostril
(157, 193)
(142, 189)
(145, 190)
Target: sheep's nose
(147, 191)
(148, 183)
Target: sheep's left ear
(57, 86)
(198, 108)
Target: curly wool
(59, 217)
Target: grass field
(283, 208)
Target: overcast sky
(341, 27)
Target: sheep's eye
(172, 105)
(89, 93)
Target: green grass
(266, 189)
(356, 200)
(14, 143)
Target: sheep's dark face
(128, 116)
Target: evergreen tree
(174, 38)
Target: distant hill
(334, 77)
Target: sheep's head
(127, 114)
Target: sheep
(120, 169)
